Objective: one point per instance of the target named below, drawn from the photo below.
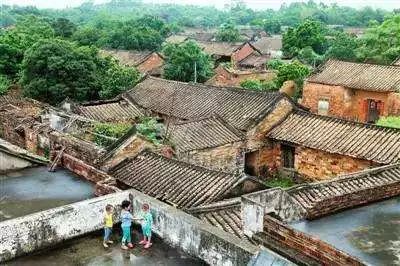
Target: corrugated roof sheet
(238, 107)
(359, 76)
(182, 184)
(203, 133)
(109, 111)
(334, 135)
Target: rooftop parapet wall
(45, 229)
(256, 205)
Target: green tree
(227, 32)
(183, 59)
(5, 84)
(309, 33)
(343, 47)
(295, 71)
(63, 27)
(309, 57)
(257, 85)
(87, 36)
(56, 69)
(381, 42)
(272, 26)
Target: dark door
(288, 156)
(373, 112)
(250, 163)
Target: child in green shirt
(147, 221)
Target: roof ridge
(201, 85)
(362, 63)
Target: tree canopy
(228, 32)
(187, 62)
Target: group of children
(145, 218)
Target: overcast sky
(256, 4)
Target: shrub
(109, 130)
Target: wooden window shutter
(364, 114)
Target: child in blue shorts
(126, 222)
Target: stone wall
(306, 245)
(9, 162)
(223, 158)
(47, 228)
(319, 165)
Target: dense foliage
(228, 32)
(4, 84)
(56, 69)
(187, 62)
(150, 129)
(106, 133)
(390, 121)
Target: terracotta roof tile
(238, 107)
(203, 133)
(267, 44)
(335, 135)
(254, 60)
(173, 181)
(359, 76)
(219, 48)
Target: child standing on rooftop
(147, 222)
(108, 225)
(126, 222)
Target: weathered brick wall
(256, 136)
(242, 53)
(86, 151)
(224, 78)
(83, 169)
(223, 158)
(348, 103)
(306, 245)
(340, 102)
(264, 161)
(154, 61)
(319, 165)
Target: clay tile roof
(240, 108)
(359, 76)
(335, 135)
(268, 44)
(396, 62)
(203, 133)
(254, 60)
(108, 111)
(173, 181)
(219, 48)
(312, 196)
(128, 58)
(225, 215)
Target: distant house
(318, 147)
(146, 62)
(176, 39)
(271, 46)
(228, 77)
(356, 91)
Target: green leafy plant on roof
(390, 121)
(149, 128)
(106, 133)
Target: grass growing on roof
(390, 121)
(112, 130)
(283, 182)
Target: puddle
(371, 233)
(35, 189)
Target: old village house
(356, 91)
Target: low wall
(45, 229)
(82, 169)
(11, 163)
(256, 205)
(306, 245)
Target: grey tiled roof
(181, 184)
(340, 136)
(203, 133)
(359, 76)
(240, 108)
(109, 111)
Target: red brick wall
(319, 165)
(82, 169)
(242, 53)
(224, 78)
(306, 245)
(348, 103)
(152, 62)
